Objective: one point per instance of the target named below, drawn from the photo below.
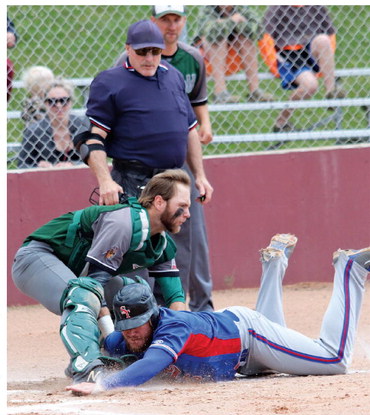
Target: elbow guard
(84, 149)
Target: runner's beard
(138, 348)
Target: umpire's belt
(135, 165)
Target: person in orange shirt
(224, 30)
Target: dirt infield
(36, 362)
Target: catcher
(216, 345)
(95, 244)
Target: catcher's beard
(168, 220)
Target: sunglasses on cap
(145, 51)
(54, 101)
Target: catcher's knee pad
(79, 329)
(83, 291)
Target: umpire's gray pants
(38, 273)
(192, 256)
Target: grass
(80, 41)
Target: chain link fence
(77, 42)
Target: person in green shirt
(66, 263)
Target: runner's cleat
(281, 243)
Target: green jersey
(190, 63)
(115, 238)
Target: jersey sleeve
(114, 344)
(171, 335)
(164, 269)
(100, 106)
(192, 119)
(112, 238)
(168, 277)
(198, 95)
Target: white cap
(159, 11)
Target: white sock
(106, 325)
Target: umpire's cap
(144, 34)
(133, 306)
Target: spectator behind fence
(304, 40)
(49, 141)
(36, 80)
(11, 40)
(236, 27)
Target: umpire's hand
(205, 190)
(109, 192)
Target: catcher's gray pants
(38, 273)
(269, 345)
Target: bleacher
(336, 115)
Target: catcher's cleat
(95, 369)
(361, 256)
(91, 377)
(281, 243)
(94, 375)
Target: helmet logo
(124, 311)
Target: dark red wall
(322, 196)
(35, 197)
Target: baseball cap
(159, 11)
(144, 34)
(133, 306)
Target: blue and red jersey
(203, 345)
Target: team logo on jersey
(190, 82)
(125, 311)
(111, 253)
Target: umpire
(192, 243)
(141, 117)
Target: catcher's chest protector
(145, 251)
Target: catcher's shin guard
(81, 303)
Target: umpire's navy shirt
(146, 118)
